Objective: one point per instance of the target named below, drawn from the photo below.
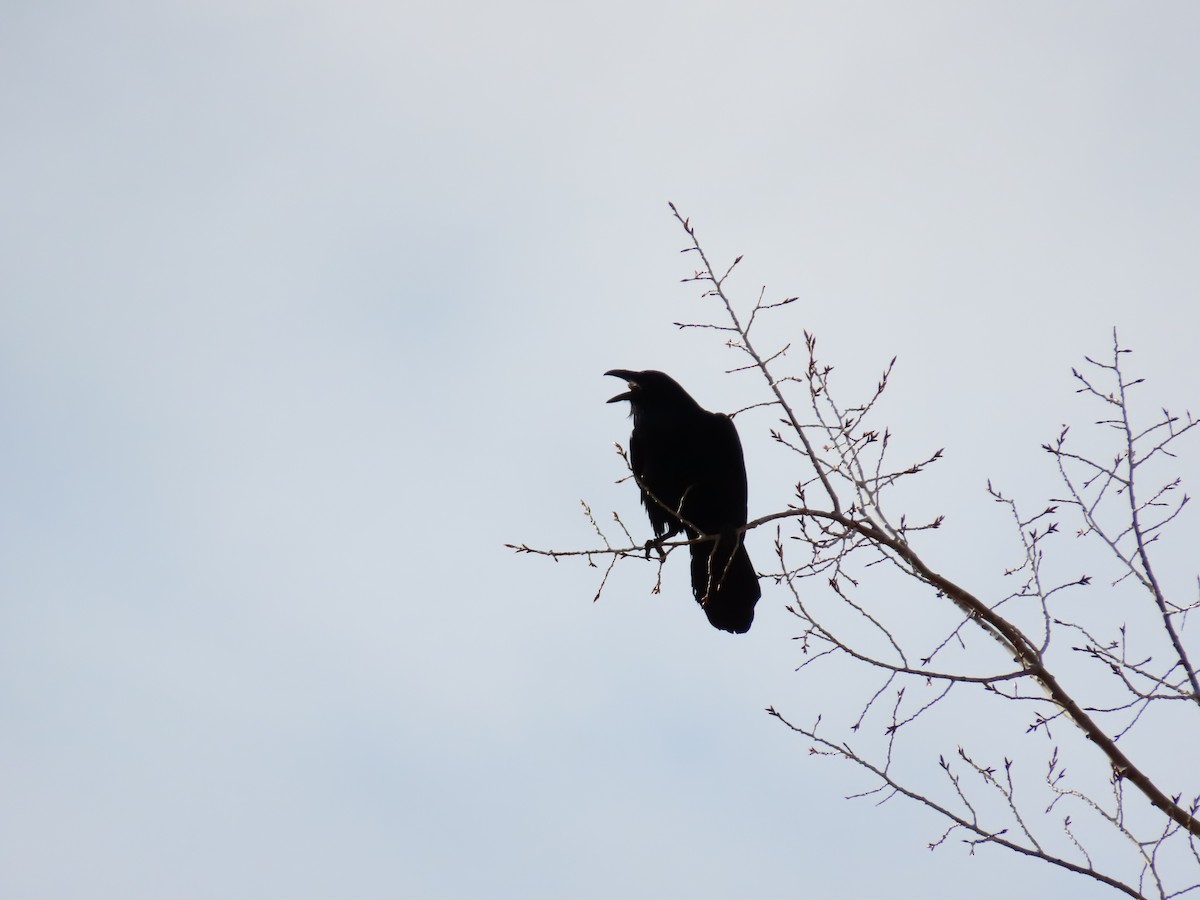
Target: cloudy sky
(304, 310)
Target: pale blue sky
(303, 314)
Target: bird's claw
(655, 543)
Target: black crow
(689, 466)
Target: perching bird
(689, 466)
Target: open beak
(628, 376)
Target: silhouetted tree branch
(949, 660)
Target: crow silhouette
(689, 467)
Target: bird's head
(650, 389)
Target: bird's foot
(656, 544)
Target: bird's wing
(729, 467)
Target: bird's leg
(656, 543)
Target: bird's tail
(725, 583)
